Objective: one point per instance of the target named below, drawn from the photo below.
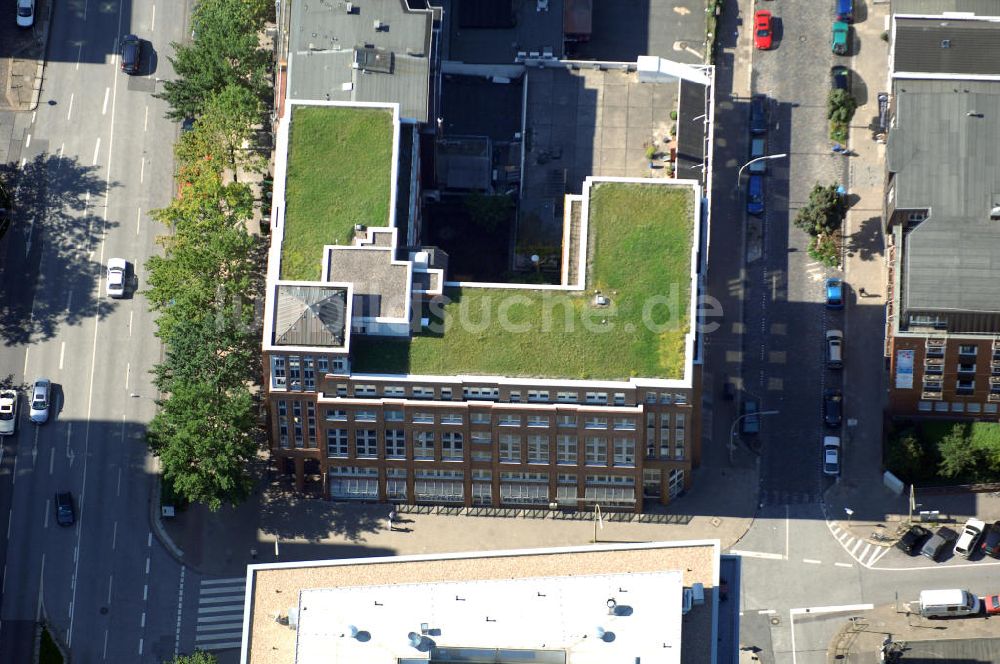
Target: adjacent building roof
(937, 7)
(605, 603)
(309, 315)
(381, 284)
(373, 50)
(946, 46)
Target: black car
(832, 407)
(131, 52)
(840, 78)
(65, 514)
(991, 540)
(758, 114)
(913, 539)
(938, 544)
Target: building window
(422, 392)
(935, 351)
(566, 421)
(364, 390)
(481, 438)
(567, 397)
(916, 216)
(967, 368)
(366, 443)
(423, 418)
(675, 483)
(451, 418)
(666, 398)
(664, 435)
(957, 407)
(624, 451)
(538, 395)
(446, 394)
(451, 446)
(311, 423)
(934, 370)
(336, 443)
(439, 486)
(394, 391)
(491, 393)
(538, 420)
(481, 455)
(479, 418)
(619, 398)
(967, 349)
(596, 397)
(395, 484)
(297, 423)
(924, 406)
(566, 450)
(625, 424)
(278, 378)
(482, 493)
(352, 483)
(322, 364)
(538, 449)
(294, 373)
(965, 387)
(597, 451)
(509, 420)
(341, 389)
(679, 437)
(334, 415)
(365, 416)
(510, 448)
(595, 422)
(395, 444)
(308, 374)
(680, 399)
(973, 407)
(283, 424)
(340, 365)
(423, 445)
(990, 408)
(650, 397)
(392, 415)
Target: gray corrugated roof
(309, 315)
(322, 41)
(972, 46)
(943, 151)
(977, 7)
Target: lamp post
(754, 161)
(732, 429)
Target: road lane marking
(864, 553)
(10, 519)
(105, 655)
(25, 371)
(79, 48)
(142, 623)
(145, 592)
(147, 564)
(128, 369)
(27, 140)
(142, 169)
(843, 564)
(145, 119)
(140, 645)
(62, 354)
(111, 578)
(152, 22)
(180, 607)
(857, 545)
(149, 539)
(766, 612)
(97, 149)
(745, 554)
(69, 113)
(877, 555)
(69, 299)
(812, 562)
(104, 109)
(13, 478)
(118, 491)
(48, 502)
(3, 586)
(52, 459)
(114, 536)
(130, 322)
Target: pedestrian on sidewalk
(863, 292)
(392, 519)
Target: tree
(840, 106)
(823, 248)
(823, 213)
(197, 657)
(905, 456)
(958, 456)
(202, 436)
(228, 123)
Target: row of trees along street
(208, 283)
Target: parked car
(840, 78)
(831, 455)
(755, 195)
(838, 42)
(8, 412)
(971, 533)
(758, 149)
(991, 540)
(938, 544)
(751, 420)
(39, 410)
(762, 29)
(117, 269)
(845, 11)
(913, 539)
(833, 403)
(65, 512)
(131, 52)
(834, 293)
(834, 349)
(992, 604)
(728, 389)
(25, 13)
(758, 115)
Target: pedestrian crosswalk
(220, 613)
(771, 497)
(862, 550)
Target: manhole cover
(775, 620)
(802, 39)
(104, 610)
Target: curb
(157, 525)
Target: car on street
(117, 269)
(834, 349)
(938, 544)
(834, 293)
(40, 393)
(25, 13)
(991, 603)
(758, 115)
(840, 78)
(758, 149)
(913, 539)
(8, 412)
(65, 512)
(991, 540)
(755, 195)
(131, 53)
(845, 11)
(833, 405)
(838, 42)
(762, 29)
(831, 455)
(751, 420)
(971, 533)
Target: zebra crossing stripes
(220, 613)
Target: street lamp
(754, 161)
(732, 429)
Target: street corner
(22, 58)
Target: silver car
(39, 412)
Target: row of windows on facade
(299, 374)
(510, 448)
(962, 387)
(448, 486)
(481, 418)
(964, 350)
(956, 407)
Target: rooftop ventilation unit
(995, 213)
(945, 43)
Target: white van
(948, 603)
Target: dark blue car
(755, 195)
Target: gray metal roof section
(379, 51)
(310, 315)
(534, 30)
(977, 7)
(947, 46)
(943, 151)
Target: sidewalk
(21, 71)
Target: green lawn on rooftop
(339, 167)
(640, 248)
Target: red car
(992, 604)
(762, 29)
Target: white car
(25, 13)
(967, 541)
(831, 455)
(8, 412)
(117, 269)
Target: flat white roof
(593, 619)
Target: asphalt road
(97, 159)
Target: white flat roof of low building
(599, 619)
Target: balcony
(993, 397)
(936, 396)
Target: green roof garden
(339, 175)
(640, 241)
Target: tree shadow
(56, 215)
(867, 243)
(287, 515)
